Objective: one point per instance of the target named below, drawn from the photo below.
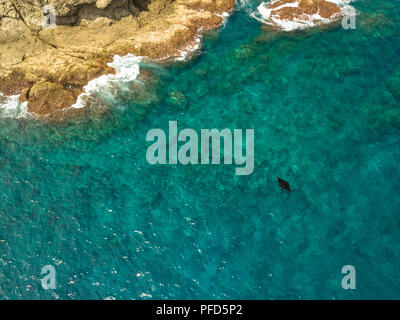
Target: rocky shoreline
(48, 68)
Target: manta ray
(284, 184)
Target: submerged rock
(393, 83)
(245, 51)
(376, 25)
(178, 99)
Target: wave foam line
(197, 43)
(12, 107)
(190, 49)
(225, 16)
(127, 69)
(263, 14)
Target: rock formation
(49, 66)
(297, 14)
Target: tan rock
(101, 4)
(300, 12)
(53, 65)
(46, 98)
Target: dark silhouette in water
(284, 184)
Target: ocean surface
(325, 107)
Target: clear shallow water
(325, 109)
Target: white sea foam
(347, 9)
(11, 107)
(341, 3)
(196, 44)
(190, 49)
(127, 69)
(241, 4)
(265, 15)
(225, 16)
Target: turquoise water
(325, 106)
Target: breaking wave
(12, 107)
(127, 69)
(261, 12)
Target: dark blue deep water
(325, 107)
